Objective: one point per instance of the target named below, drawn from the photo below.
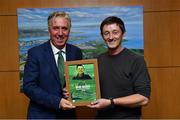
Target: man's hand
(65, 93)
(100, 103)
(66, 105)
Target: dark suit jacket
(41, 82)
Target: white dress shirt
(56, 50)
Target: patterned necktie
(61, 68)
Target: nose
(60, 32)
(110, 36)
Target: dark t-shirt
(83, 77)
(122, 75)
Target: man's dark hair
(79, 65)
(112, 20)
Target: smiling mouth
(111, 41)
(60, 37)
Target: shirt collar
(56, 50)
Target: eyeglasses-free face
(59, 30)
(112, 35)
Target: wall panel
(165, 97)
(175, 28)
(9, 44)
(161, 5)
(161, 38)
(13, 104)
(84, 112)
(8, 7)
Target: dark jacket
(41, 82)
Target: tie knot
(60, 55)
(60, 52)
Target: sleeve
(30, 84)
(141, 77)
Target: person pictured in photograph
(124, 78)
(44, 81)
(80, 73)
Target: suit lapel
(50, 59)
(67, 52)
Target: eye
(55, 28)
(115, 32)
(106, 33)
(64, 28)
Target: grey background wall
(161, 41)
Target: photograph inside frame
(82, 81)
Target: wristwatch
(112, 101)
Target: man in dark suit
(42, 83)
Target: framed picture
(82, 81)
